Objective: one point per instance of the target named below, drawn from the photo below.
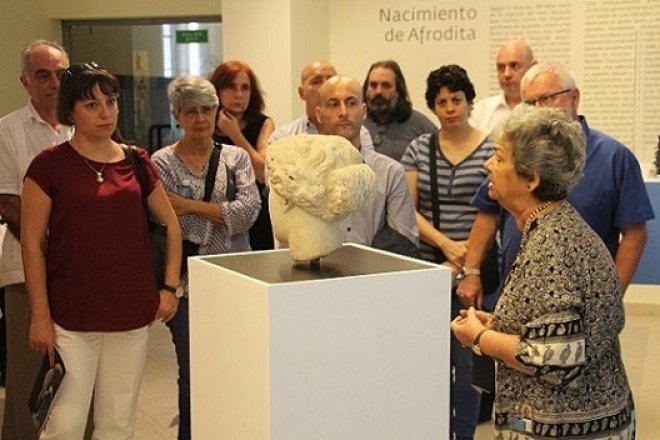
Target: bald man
(389, 222)
(513, 60)
(313, 75)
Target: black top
(261, 233)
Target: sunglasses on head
(76, 69)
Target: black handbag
(158, 232)
(387, 239)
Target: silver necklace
(99, 173)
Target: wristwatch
(177, 291)
(466, 272)
(475, 345)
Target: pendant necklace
(99, 173)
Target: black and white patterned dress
(562, 297)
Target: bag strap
(230, 190)
(212, 171)
(433, 175)
(140, 173)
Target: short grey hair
(27, 52)
(546, 141)
(321, 174)
(191, 88)
(566, 80)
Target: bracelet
(466, 271)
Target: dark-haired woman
(459, 152)
(241, 122)
(88, 265)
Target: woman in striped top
(457, 153)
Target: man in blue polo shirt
(611, 196)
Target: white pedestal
(356, 350)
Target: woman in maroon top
(87, 259)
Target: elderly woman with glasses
(216, 224)
(88, 264)
(555, 329)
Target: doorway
(145, 55)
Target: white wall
(309, 41)
(360, 35)
(612, 48)
(276, 38)
(258, 33)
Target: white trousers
(108, 365)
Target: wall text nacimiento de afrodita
(429, 32)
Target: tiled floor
(157, 405)
(640, 339)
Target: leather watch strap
(476, 348)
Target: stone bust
(315, 181)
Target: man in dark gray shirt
(391, 120)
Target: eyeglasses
(203, 110)
(545, 100)
(76, 69)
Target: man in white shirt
(312, 77)
(513, 61)
(23, 134)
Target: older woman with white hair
(555, 330)
(212, 189)
(315, 182)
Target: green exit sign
(187, 37)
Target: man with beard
(391, 120)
